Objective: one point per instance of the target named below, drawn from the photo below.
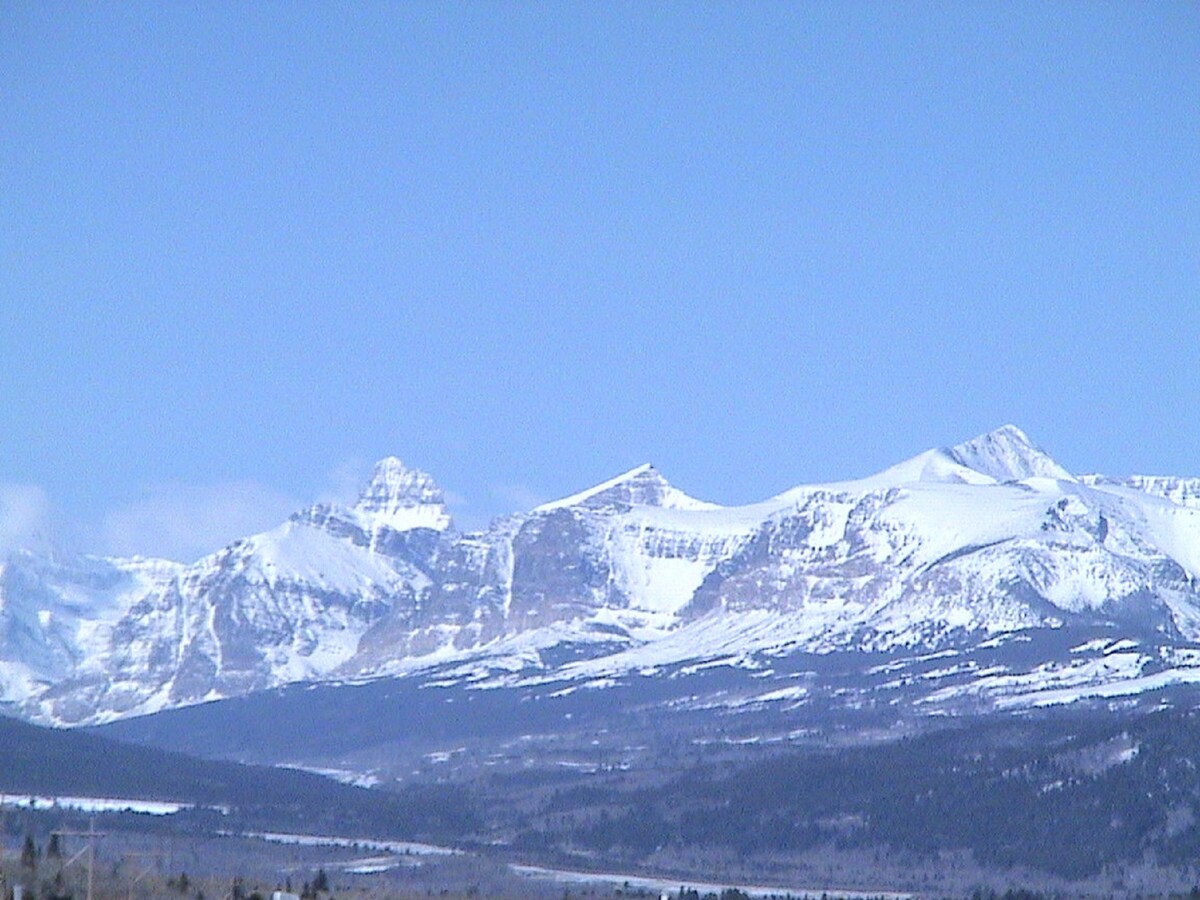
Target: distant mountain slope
(56, 762)
(950, 549)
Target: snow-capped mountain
(57, 613)
(948, 549)
(286, 605)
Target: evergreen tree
(53, 850)
(29, 853)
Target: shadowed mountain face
(943, 552)
(212, 794)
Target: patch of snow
(343, 776)
(408, 848)
(670, 885)
(94, 804)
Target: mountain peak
(402, 498)
(1007, 454)
(642, 485)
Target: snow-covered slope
(287, 605)
(58, 613)
(1007, 454)
(950, 548)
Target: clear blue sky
(245, 249)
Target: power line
(91, 834)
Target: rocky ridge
(950, 548)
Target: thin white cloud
(24, 515)
(505, 499)
(454, 499)
(346, 481)
(184, 522)
(517, 497)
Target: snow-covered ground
(93, 804)
(665, 886)
(399, 848)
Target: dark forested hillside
(58, 762)
(1065, 794)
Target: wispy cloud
(181, 521)
(186, 521)
(24, 515)
(517, 497)
(345, 481)
(503, 500)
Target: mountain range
(963, 575)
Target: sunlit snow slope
(948, 549)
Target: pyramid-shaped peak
(1005, 434)
(1007, 454)
(643, 485)
(640, 486)
(402, 498)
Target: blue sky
(246, 249)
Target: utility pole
(91, 834)
(156, 856)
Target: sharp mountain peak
(1007, 454)
(402, 497)
(642, 485)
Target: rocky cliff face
(953, 546)
(287, 605)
